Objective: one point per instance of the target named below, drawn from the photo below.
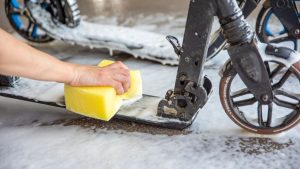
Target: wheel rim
(20, 19)
(241, 106)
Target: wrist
(71, 74)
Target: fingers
(121, 74)
(120, 78)
(118, 64)
(116, 75)
(120, 67)
(118, 86)
(124, 80)
(125, 72)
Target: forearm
(19, 59)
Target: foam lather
(101, 102)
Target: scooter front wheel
(242, 107)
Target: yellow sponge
(101, 102)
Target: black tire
(71, 13)
(7, 81)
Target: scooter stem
(191, 90)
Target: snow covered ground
(35, 136)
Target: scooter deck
(52, 94)
(142, 44)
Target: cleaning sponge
(101, 102)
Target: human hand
(115, 75)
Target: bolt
(196, 33)
(187, 59)
(297, 31)
(281, 3)
(182, 78)
(265, 98)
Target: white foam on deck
(147, 45)
(38, 90)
